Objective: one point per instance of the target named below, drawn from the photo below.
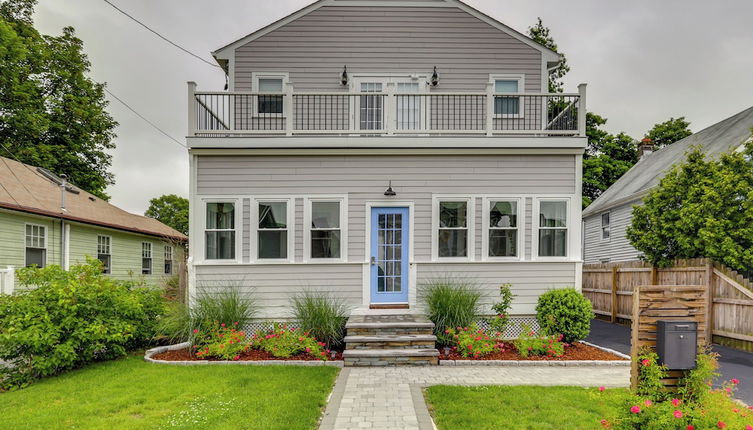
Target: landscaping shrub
(499, 322)
(223, 342)
(565, 311)
(322, 315)
(694, 406)
(69, 318)
(529, 343)
(285, 342)
(181, 322)
(472, 341)
(450, 303)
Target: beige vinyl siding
(617, 247)
(529, 280)
(391, 40)
(13, 238)
(271, 286)
(364, 178)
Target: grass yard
(133, 394)
(522, 407)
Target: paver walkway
(391, 397)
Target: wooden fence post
(615, 280)
(709, 301)
(654, 275)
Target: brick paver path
(390, 397)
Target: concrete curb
(335, 399)
(535, 363)
(160, 349)
(617, 353)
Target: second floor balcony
(387, 112)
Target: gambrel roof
(646, 174)
(224, 53)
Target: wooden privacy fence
(665, 302)
(610, 287)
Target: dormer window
(267, 85)
(507, 106)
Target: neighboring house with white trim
(605, 221)
(363, 148)
(45, 220)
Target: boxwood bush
(565, 311)
(68, 318)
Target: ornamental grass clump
(529, 343)
(472, 341)
(321, 315)
(450, 303)
(565, 311)
(285, 342)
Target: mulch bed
(250, 355)
(576, 351)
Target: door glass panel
(371, 110)
(389, 263)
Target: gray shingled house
(605, 221)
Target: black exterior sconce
(389, 192)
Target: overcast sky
(643, 60)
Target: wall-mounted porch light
(389, 192)
(344, 76)
(434, 78)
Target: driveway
(732, 363)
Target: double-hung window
(502, 228)
(325, 230)
(104, 252)
(453, 228)
(272, 230)
(168, 260)
(507, 105)
(219, 233)
(146, 258)
(36, 245)
(605, 230)
(268, 86)
(552, 228)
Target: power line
(159, 35)
(144, 118)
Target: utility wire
(159, 35)
(144, 118)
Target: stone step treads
(391, 357)
(390, 341)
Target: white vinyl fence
(7, 280)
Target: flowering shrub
(499, 322)
(529, 343)
(472, 341)
(223, 342)
(282, 341)
(694, 406)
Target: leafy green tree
(540, 33)
(171, 210)
(607, 158)
(52, 114)
(670, 131)
(701, 208)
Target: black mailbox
(677, 344)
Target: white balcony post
(192, 107)
(288, 108)
(390, 110)
(489, 108)
(582, 110)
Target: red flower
(721, 424)
(237, 357)
(646, 362)
(734, 381)
(675, 402)
(601, 388)
(605, 423)
(690, 427)
(222, 325)
(647, 403)
(195, 330)
(677, 413)
(635, 409)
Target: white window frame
(608, 227)
(389, 109)
(238, 202)
(171, 259)
(493, 78)
(46, 251)
(471, 228)
(569, 251)
(290, 201)
(307, 206)
(150, 257)
(255, 77)
(485, 219)
(109, 250)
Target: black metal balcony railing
(235, 113)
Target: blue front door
(389, 255)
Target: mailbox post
(676, 344)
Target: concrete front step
(385, 325)
(391, 357)
(420, 341)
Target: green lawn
(133, 394)
(522, 407)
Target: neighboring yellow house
(44, 220)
